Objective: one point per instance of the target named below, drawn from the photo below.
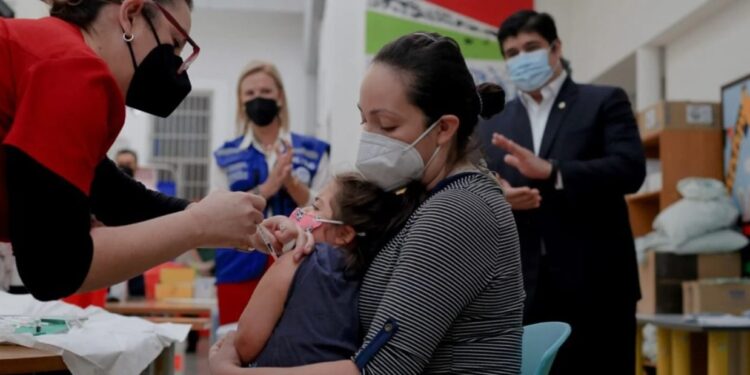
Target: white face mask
(390, 163)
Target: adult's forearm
(124, 252)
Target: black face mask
(262, 111)
(127, 170)
(156, 87)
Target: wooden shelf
(651, 144)
(648, 197)
(651, 139)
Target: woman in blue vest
(267, 159)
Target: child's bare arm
(265, 308)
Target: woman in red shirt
(64, 83)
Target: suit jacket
(584, 228)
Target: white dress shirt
(539, 114)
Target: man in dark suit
(566, 155)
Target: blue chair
(541, 342)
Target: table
(728, 347)
(195, 312)
(186, 306)
(16, 359)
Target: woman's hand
(297, 189)
(285, 154)
(520, 198)
(281, 172)
(223, 357)
(227, 218)
(284, 231)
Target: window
(180, 147)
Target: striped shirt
(451, 279)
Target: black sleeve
(622, 167)
(117, 199)
(50, 223)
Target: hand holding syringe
(265, 236)
(278, 235)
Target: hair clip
(481, 103)
(428, 36)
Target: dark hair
(439, 83)
(127, 151)
(566, 66)
(527, 21)
(6, 11)
(82, 13)
(375, 214)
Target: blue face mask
(529, 71)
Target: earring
(127, 37)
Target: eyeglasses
(196, 50)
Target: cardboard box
(677, 115)
(729, 296)
(174, 290)
(711, 266)
(176, 275)
(662, 274)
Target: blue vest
(247, 168)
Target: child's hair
(375, 214)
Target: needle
(267, 241)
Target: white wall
(341, 68)
(134, 135)
(709, 55)
(28, 8)
(597, 34)
(229, 39)
(704, 43)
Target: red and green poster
(472, 23)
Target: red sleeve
(69, 113)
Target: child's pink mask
(309, 221)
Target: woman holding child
(443, 294)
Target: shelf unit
(683, 153)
